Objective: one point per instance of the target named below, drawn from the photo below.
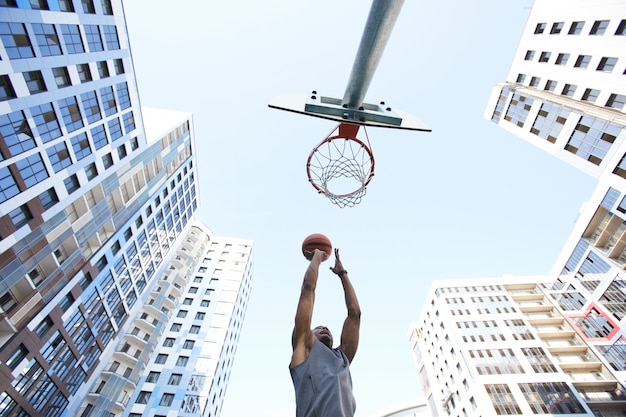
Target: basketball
(316, 241)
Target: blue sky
(467, 200)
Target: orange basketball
(316, 241)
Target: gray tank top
(323, 384)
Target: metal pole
(382, 17)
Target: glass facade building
(554, 344)
(99, 247)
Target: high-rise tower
(554, 344)
(97, 228)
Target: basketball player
(321, 373)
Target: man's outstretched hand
(338, 268)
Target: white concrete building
(506, 346)
(554, 344)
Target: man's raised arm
(352, 323)
(302, 337)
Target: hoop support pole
(382, 17)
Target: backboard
(367, 114)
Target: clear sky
(467, 200)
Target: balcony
(592, 379)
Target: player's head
(324, 335)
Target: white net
(340, 168)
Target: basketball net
(342, 166)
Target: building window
(590, 95)
(107, 8)
(108, 100)
(520, 78)
(34, 82)
(529, 55)
(47, 39)
(59, 156)
(99, 137)
(47, 123)
(16, 357)
(549, 122)
(591, 140)
(107, 160)
(568, 90)
(121, 152)
(205, 303)
(20, 216)
(8, 186)
(66, 6)
(545, 56)
(73, 41)
(16, 132)
(540, 28)
(32, 170)
(62, 77)
(70, 113)
(39, 5)
(71, 183)
(7, 302)
(88, 6)
(91, 171)
(153, 377)
(550, 85)
(615, 355)
(582, 61)
(48, 198)
(496, 361)
(103, 69)
(6, 88)
(534, 81)
(15, 40)
(182, 314)
(182, 361)
(194, 329)
(84, 73)
(91, 106)
(175, 379)
(161, 358)
(175, 327)
(122, 94)
(606, 64)
(621, 28)
(94, 40)
(187, 301)
(556, 28)
(169, 342)
(518, 109)
(551, 398)
(200, 316)
(119, 66)
(539, 360)
(561, 59)
(129, 122)
(66, 301)
(188, 344)
(599, 27)
(166, 400)
(502, 399)
(80, 144)
(110, 37)
(115, 129)
(143, 397)
(43, 327)
(616, 101)
(576, 28)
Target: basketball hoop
(342, 166)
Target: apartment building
(97, 223)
